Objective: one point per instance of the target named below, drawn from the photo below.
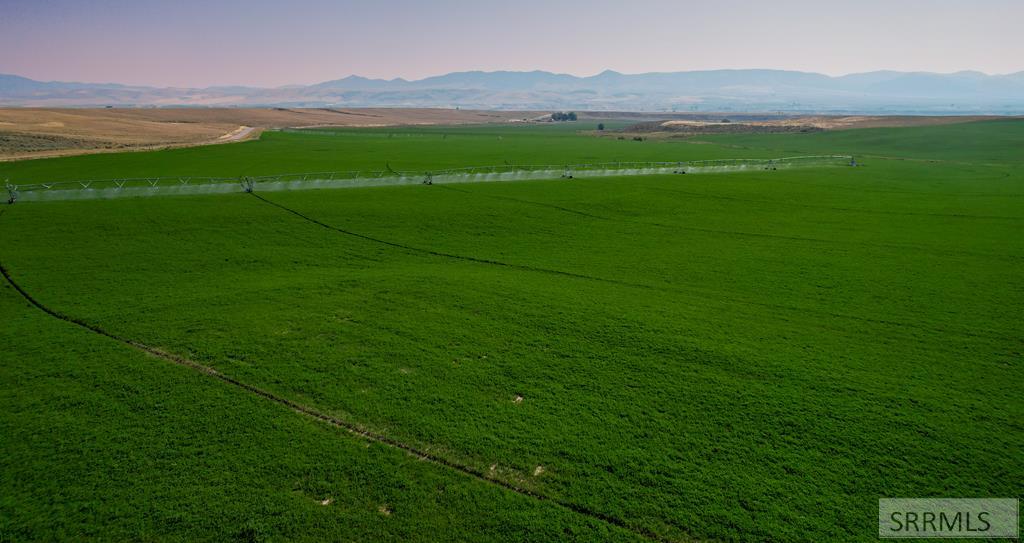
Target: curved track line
(738, 234)
(605, 280)
(333, 421)
(539, 204)
(889, 191)
(848, 209)
(452, 256)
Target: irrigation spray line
(329, 419)
(161, 186)
(352, 427)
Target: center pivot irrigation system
(155, 186)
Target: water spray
(12, 192)
(155, 186)
(248, 184)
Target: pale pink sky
(268, 43)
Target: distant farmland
(39, 132)
(739, 357)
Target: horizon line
(605, 71)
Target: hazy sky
(268, 42)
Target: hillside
(715, 90)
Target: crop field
(748, 356)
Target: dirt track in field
(46, 132)
(352, 427)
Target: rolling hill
(716, 90)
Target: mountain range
(888, 92)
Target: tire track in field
(452, 256)
(539, 204)
(837, 208)
(692, 293)
(890, 191)
(737, 199)
(648, 223)
(734, 233)
(331, 420)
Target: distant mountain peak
(706, 90)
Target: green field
(738, 357)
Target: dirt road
(37, 132)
